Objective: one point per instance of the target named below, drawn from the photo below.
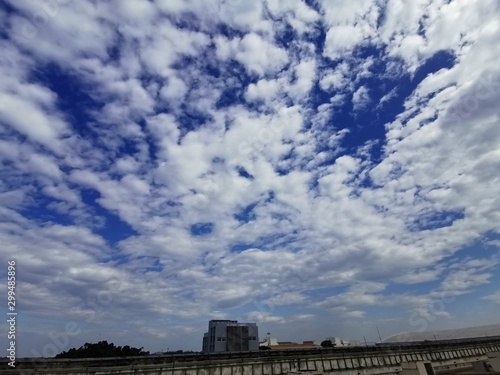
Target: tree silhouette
(102, 349)
(327, 344)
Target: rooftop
(448, 334)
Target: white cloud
(387, 97)
(494, 297)
(341, 39)
(258, 55)
(262, 90)
(306, 75)
(349, 24)
(157, 132)
(355, 314)
(23, 113)
(360, 98)
(175, 89)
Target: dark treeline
(102, 349)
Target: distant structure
(338, 342)
(230, 336)
(273, 343)
(468, 333)
(269, 341)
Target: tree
(102, 349)
(327, 344)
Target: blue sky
(318, 167)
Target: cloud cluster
(285, 162)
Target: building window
(219, 338)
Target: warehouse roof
(449, 334)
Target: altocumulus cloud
(313, 166)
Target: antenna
(380, 338)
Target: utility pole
(380, 338)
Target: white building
(269, 341)
(492, 330)
(229, 335)
(337, 341)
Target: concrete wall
(219, 339)
(417, 368)
(494, 361)
(366, 361)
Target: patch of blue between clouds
(286, 35)
(246, 215)
(227, 31)
(114, 229)
(73, 96)
(188, 21)
(368, 124)
(8, 9)
(154, 264)
(240, 247)
(270, 197)
(436, 220)
(201, 229)
(79, 102)
(482, 246)
(282, 171)
(242, 172)
(188, 117)
(267, 243)
(318, 35)
(234, 90)
(382, 15)
(153, 149)
(190, 120)
(42, 212)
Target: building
(273, 343)
(468, 333)
(285, 345)
(269, 341)
(230, 336)
(337, 341)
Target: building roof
(448, 334)
(293, 346)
